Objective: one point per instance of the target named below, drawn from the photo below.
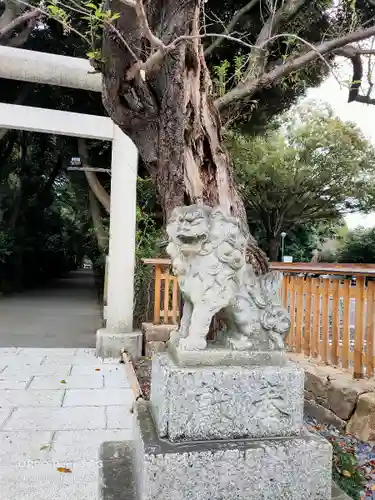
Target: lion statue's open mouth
(191, 243)
(187, 238)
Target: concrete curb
(130, 372)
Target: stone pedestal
(232, 431)
(225, 402)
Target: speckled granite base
(225, 402)
(293, 468)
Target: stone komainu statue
(208, 251)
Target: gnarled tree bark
(169, 112)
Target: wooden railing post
(325, 319)
(346, 326)
(166, 297)
(299, 314)
(157, 294)
(292, 312)
(316, 319)
(358, 336)
(175, 304)
(370, 309)
(334, 358)
(307, 328)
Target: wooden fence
(166, 293)
(332, 310)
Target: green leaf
(91, 6)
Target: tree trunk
(274, 248)
(92, 179)
(100, 232)
(170, 114)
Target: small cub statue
(208, 252)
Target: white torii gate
(38, 67)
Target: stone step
(117, 474)
(289, 468)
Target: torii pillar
(118, 333)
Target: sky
(336, 94)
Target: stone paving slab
(30, 398)
(17, 371)
(17, 447)
(116, 416)
(103, 397)
(19, 382)
(42, 481)
(56, 408)
(69, 382)
(71, 446)
(98, 370)
(49, 418)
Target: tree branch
(230, 27)
(129, 3)
(145, 27)
(18, 21)
(354, 54)
(365, 99)
(284, 13)
(247, 89)
(12, 10)
(100, 232)
(21, 38)
(99, 191)
(258, 59)
(351, 53)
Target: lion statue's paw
(192, 344)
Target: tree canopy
(312, 168)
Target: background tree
(313, 168)
(39, 238)
(358, 247)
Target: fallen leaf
(97, 369)
(63, 469)
(44, 447)
(63, 382)
(346, 473)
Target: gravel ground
(143, 371)
(354, 461)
